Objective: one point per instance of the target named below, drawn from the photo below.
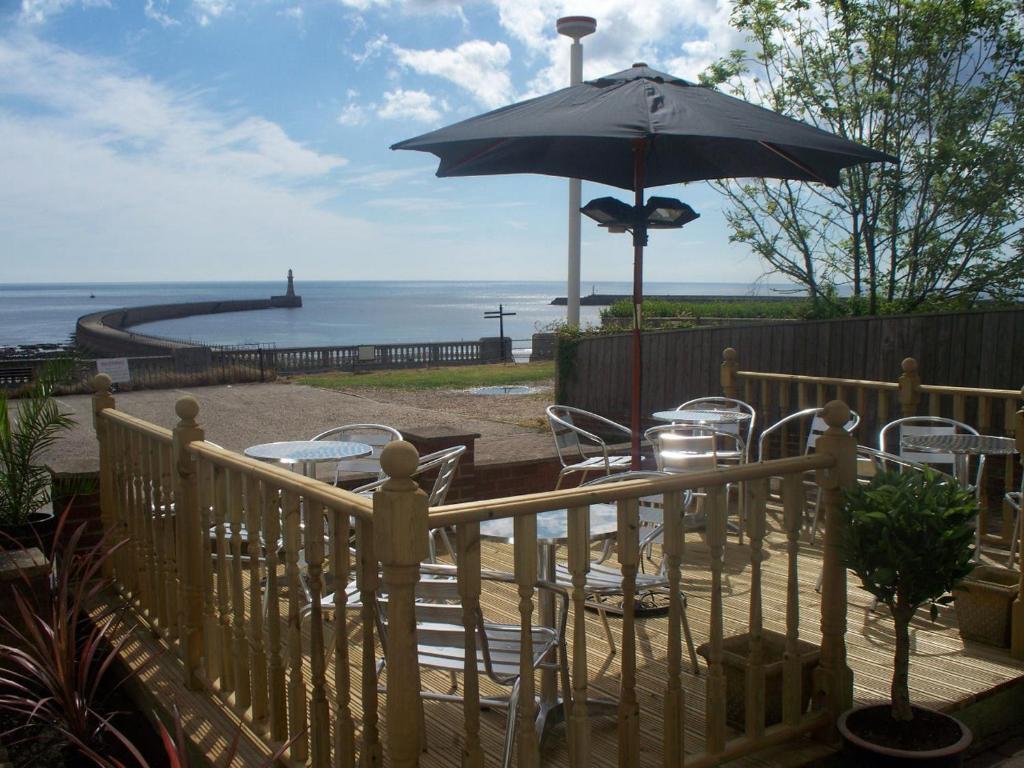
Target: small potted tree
(26, 515)
(908, 536)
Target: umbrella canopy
(588, 131)
(636, 129)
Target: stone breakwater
(106, 334)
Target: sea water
(332, 312)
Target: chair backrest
(916, 426)
(689, 448)
(445, 461)
(817, 428)
(374, 435)
(569, 436)
(745, 427)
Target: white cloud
(419, 106)
(93, 98)
(477, 66)
(388, 178)
(160, 15)
(352, 114)
(209, 10)
(38, 11)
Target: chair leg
(817, 516)
(510, 726)
(689, 639)
(603, 615)
(1015, 539)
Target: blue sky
(213, 140)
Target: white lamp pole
(576, 27)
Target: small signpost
(500, 315)
(116, 368)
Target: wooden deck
(944, 673)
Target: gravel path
(511, 427)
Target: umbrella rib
(483, 151)
(793, 161)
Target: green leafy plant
(908, 536)
(24, 438)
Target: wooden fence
(218, 542)
(965, 349)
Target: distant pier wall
(105, 334)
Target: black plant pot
(37, 531)
(940, 741)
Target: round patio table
(715, 416)
(552, 530)
(308, 453)
(963, 446)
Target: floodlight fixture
(658, 213)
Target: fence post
(833, 679)
(101, 400)
(189, 539)
(401, 540)
(1017, 632)
(728, 373)
(909, 387)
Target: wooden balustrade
(221, 543)
(774, 395)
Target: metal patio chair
(374, 435)
(440, 641)
(605, 581)
(571, 439)
(727, 404)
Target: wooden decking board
(944, 674)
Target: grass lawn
(451, 377)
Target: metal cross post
(501, 314)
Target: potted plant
(26, 516)
(908, 536)
(984, 603)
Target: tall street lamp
(576, 27)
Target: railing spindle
(220, 517)
(629, 560)
(320, 738)
(793, 498)
(579, 566)
(161, 520)
(297, 720)
(673, 740)
(278, 703)
(170, 522)
(757, 497)
(467, 536)
(255, 509)
(239, 645)
(211, 626)
(715, 708)
(367, 578)
(344, 728)
(525, 552)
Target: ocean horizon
(333, 312)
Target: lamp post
(576, 27)
(617, 216)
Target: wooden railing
(195, 516)
(774, 395)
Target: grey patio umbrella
(635, 129)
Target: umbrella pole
(639, 240)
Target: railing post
(833, 679)
(189, 532)
(401, 541)
(728, 373)
(101, 400)
(909, 387)
(1017, 621)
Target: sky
(204, 140)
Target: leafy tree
(938, 84)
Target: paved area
(240, 415)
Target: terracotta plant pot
(859, 749)
(735, 651)
(983, 603)
(37, 531)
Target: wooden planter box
(983, 603)
(735, 651)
